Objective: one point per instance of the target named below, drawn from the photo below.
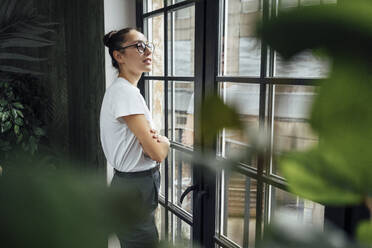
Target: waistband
(149, 172)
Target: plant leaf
(5, 68)
(18, 121)
(321, 177)
(15, 56)
(335, 28)
(364, 232)
(28, 36)
(216, 115)
(16, 130)
(7, 125)
(20, 42)
(18, 105)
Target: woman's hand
(159, 138)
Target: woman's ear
(118, 56)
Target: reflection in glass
(240, 49)
(303, 65)
(292, 106)
(238, 208)
(181, 39)
(183, 112)
(151, 5)
(154, 31)
(303, 211)
(157, 105)
(170, 2)
(182, 180)
(160, 221)
(245, 98)
(180, 232)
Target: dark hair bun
(107, 38)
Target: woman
(128, 138)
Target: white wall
(118, 14)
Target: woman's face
(132, 59)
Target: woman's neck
(131, 77)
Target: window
(247, 75)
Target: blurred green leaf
(364, 232)
(320, 175)
(61, 208)
(342, 30)
(216, 115)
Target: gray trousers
(144, 234)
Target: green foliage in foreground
(46, 207)
(338, 170)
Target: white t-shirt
(121, 147)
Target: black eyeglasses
(141, 46)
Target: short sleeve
(126, 101)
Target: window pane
(154, 30)
(151, 5)
(157, 105)
(160, 221)
(183, 112)
(303, 65)
(182, 179)
(238, 208)
(240, 49)
(304, 211)
(180, 232)
(181, 34)
(292, 131)
(170, 2)
(245, 98)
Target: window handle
(188, 190)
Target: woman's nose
(147, 51)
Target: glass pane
(157, 105)
(151, 5)
(170, 2)
(238, 209)
(183, 112)
(292, 131)
(303, 65)
(181, 34)
(154, 30)
(245, 98)
(240, 49)
(182, 179)
(304, 211)
(160, 221)
(180, 232)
